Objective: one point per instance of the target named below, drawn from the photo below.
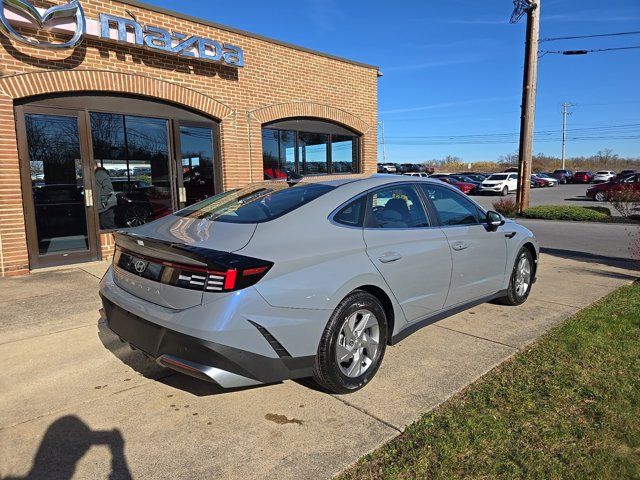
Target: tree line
(605, 159)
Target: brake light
(230, 272)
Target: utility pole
(528, 103)
(384, 147)
(565, 112)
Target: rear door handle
(390, 257)
(459, 246)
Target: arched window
(308, 147)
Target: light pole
(565, 112)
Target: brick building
(174, 109)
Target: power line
(584, 52)
(553, 39)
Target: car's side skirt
(418, 324)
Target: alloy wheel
(358, 343)
(523, 276)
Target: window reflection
(196, 145)
(279, 153)
(287, 152)
(134, 151)
(343, 154)
(56, 176)
(312, 150)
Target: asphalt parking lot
(77, 403)
(560, 195)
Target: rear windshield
(256, 203)
(497, 177)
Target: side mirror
(494, 220)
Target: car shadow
(65, 442)
(620, 262)
(149, 368)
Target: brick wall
(277, 82)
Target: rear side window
(396, 207)
(352, 215)
(256, 203)
(452, 208)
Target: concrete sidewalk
(75, 402)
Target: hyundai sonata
(281, 280)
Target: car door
(479, 255)
(409, 250)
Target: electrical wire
(553, 39)
(583, 52)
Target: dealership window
(135, 153)
(308, 147)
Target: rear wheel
(352, 345)
(521, 279)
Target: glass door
(197, 173)
(56, 190)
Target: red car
(464, 187)
(583, 177)
(601, 191)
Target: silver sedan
(281, 280)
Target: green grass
(567, 212)
(566, 407)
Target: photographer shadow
(66, 441)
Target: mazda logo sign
(140, 266)
(69, 10)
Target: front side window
(396, 207)
(256, 203)
(452, 208)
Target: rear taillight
(230, 271)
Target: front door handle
(458, 246)
(390, 257)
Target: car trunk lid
(169, 262)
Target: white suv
(604, 176)
(501, 183)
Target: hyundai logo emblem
(140, 266)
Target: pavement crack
(367, 413)
(51, 333)
(478, 337)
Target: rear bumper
(227, 366)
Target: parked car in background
(401, 167)
(511, 170)
(548, 180)
(412, 167)
(583, 176)
(500, 183)
(417, 174)
(387, 168)
(563, 176)
(280, 280)
(604, 176)
(476, 177)
(602, 191)
(626, 173)
(464, 187)
(536, 182)
(466, 179)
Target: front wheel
(600, 197)
(505, 191)
(352, 345)
(521, 279)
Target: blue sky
(454, 68)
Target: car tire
(346, 337)
(521, 279)
(600, 197)
(505, 192)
